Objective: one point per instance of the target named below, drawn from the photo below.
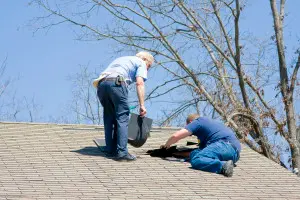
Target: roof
(51, 161)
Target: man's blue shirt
(209, 131)
(129, 67)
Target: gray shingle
(50, 161)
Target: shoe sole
(229, 171)
(124, 160)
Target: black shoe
(227, 169)
(127, 157)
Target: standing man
(113, 95)
(219, 148)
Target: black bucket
(138, 130)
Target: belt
(110, 79)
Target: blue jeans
(212, 157)
(114, 99)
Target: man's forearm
(170, 141)
(177, 136)
(141, 93)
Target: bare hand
(143, 111)
(164, 146)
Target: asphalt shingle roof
(50, 161)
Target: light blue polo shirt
(129, 67)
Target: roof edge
(80, 125)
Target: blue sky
(44, 60)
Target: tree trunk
(293, 135)
(286, 91)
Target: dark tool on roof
(173, 151)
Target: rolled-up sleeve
(142, 71)
(193, 127)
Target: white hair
(145, 55)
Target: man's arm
(140, 88)
(183, 133)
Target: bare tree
(5, 91)
(287, 84)
(85, 104)
(12, 107)
(4, 83)
(200, 45)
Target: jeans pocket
(124, 90)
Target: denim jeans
(114, 99)
(212, 157)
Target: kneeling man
(219, 148)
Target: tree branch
(294, 76)
(237, 56)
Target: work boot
(227, 168)
(127, 157)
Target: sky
(42, 61)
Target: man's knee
(196, 162)
(194, 153)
